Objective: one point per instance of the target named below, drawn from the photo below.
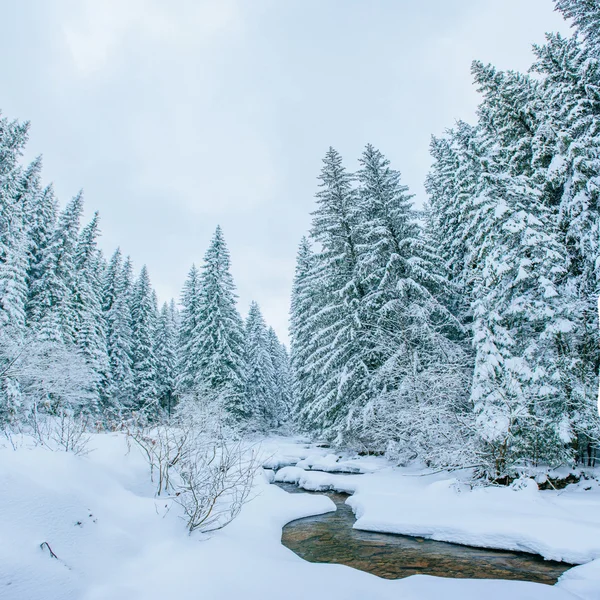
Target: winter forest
(458, 335)
(462, 334)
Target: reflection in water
(330, 538)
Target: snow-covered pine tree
(13, 227)
(510, 114)
(116, 304)
(336, 356)
(260, 392)
(451, 186)
(304, 305)
(188, 361)
(284, 408)
(586, 17)
(219, 342)
(144, 323)
(166, 356)
(51, 305)
(89, 326)
(519, 315)
(42, 212)
(410, 331)
(13, 261)
(571, 92)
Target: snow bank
(583, 581)
(562, 526)
(559, 525)
(115, 541)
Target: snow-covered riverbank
(115, 541)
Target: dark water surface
(330, 538)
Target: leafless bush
(66, 430)
(215, 482)
(195, 459)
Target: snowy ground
(115, 541)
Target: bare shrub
(195, 459)
(65, 430)
(215, 484)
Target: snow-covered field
(114, 540)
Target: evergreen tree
(305, 296)
(13, 227)
(143, 351)
(220, 334)
(260, 393)
(116, 304)
(451, 186)
(586, 16)
(166, 355)
(41, 225)
(337, 355)
(283, 405)
(188, 360)
(89, 326)
(51, 306)
(519, 312)
(571, 92)
(410, 330)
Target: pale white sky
(176, 116)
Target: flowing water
(330, 538)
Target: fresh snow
(115, 541)
(563, 525)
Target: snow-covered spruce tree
(550, 133)
(13, 226)
(571, 92)
(413, 339)
(42, 212)
(13, 262)
(51, 305)
(451, 185)
(336, 356)
(166, 356)
(304, 305)
(145, 366)
(219, 342)
(510, 114)
(188, 362)
(260, 392)
(284, 408)
(90, 331)
(586, 17)
(116, 305)
(520, 314)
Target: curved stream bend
(330, 538)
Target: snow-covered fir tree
(90, 332)
(260, 391)
(13, 225)
(336, 355)
(303, 307)
(51, 304)
(410, 331)
(188, 368)
(144, 316)
(166, 356)
(284, 406)
(116, 304)
(220, 330)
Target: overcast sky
(175, 116)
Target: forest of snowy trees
(83, 335)
(462, 334)
(465, 334)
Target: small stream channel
(330, 538)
